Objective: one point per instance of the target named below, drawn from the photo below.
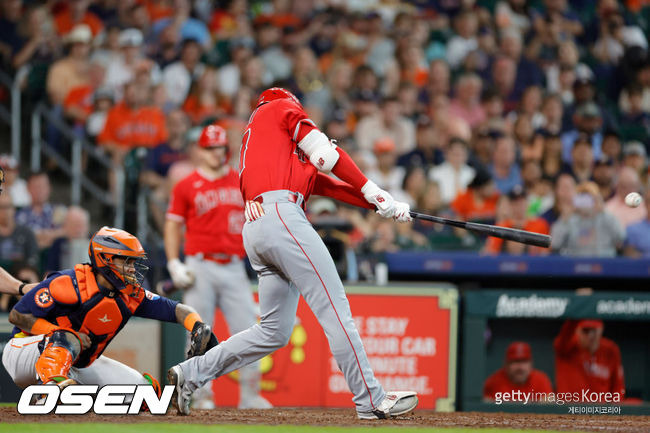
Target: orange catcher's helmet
(110, 243)
(276, 93)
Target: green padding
(551, 304)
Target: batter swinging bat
(521, 236)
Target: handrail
(73, 168)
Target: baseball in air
(633, 199)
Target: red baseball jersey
(537, 381)
(576, 369)
(213, 212)
(270, 158)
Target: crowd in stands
(527, 114)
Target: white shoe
(395, 403)
(181, 396)
(257, 402)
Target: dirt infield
(347, 417)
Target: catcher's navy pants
(291, 260)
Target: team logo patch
(43, 298)
(151, 296)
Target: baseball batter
(209, 204)
(64, 324)
(284, 159)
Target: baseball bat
(521, 236)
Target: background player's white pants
(20, 355)
(225, 286)
(291, 260)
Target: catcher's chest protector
(95, 311)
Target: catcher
(8, 284)
(64, 324)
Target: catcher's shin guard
(58, 356)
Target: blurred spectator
(587, 120)
(518, 207)
(637, 242)
(178, 76)
(504, 168)
(589, 230)
(9, 21)
(427, 151)
(552, 154)
(102, 100)
(203, 101)
(71, 246)
(14, 184)
(634, 156)
(512, 14)
(276, 61)
(75, 13)
(439, 79)
(72, 70)
(527, 73)
(479, 202)
(413, 186)
(530, 146)
(612, 147)
(454, 174)
(517, 374)
(160, 159)
(504, 74)
(388, 122)
(41, 216)
(188, 27)
(635, 121)
(123, 68)
(464, 41)
(565, 191)
(17, 242)
(78, 103)
(628, 181)
(584, 359)
(603, 175)
(386, 174)
(36, 43)
(466, 104)
(582, 159)
(538, 187)
(553, 112)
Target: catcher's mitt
(202, 340)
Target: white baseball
(633, 199)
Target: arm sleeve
(565, 342)
(330, 187)
(156, 307)
(346, 170)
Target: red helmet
(213, 136)
(109, 243)
(276, 93)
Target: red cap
(276, 93)
(384, 145)
(213, 136)
(591, 323)
(518, 351)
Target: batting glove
(402, 212)
(382, 200)
(182, 276)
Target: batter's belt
(281, 195)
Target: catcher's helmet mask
(105, 247)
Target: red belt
(293, 198)
(222, 259)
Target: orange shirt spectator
(585, 360)
(479, 201)
(537, 225)
(517, 374)
(158, 9)
(144, 126)
(64, 22)
(80, 97)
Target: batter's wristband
(20, 289)
(190, 320)
(42, 326)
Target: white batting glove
(382, 200)
(182, 276)
(402, 214)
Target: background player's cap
(276, 93)
(518, 351)
(591, 324)
(213, 136)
